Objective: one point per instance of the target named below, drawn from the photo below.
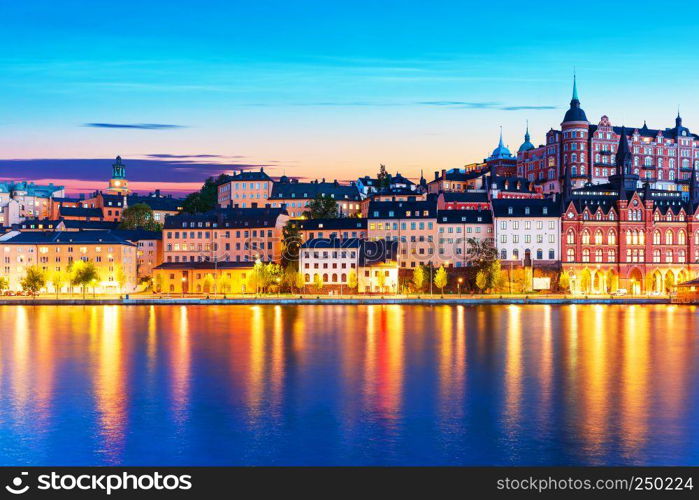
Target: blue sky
(325, 89)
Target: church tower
(118, 184)
(575, 129)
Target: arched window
(598, 255)
(634, 237)
(334, 277)
(325, 278)
(660, 164)
(611, 256)
(539, 254)
(647, 161)
(681, 257)
(611, 237)
(598, 238)
(570, 237)
(656, 237)
(656, 255)
(307, 278)
(586, 237)
(344, 277)
(628, 236)
(668, 256)
(668, 238)
(586, 255)
(672, 175)
(681, 237)
(641, 237)
(570, 255)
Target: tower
(118, 184)
(624, 178)
(575, 129)
(526, 145)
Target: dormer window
(509, 210)
(526, 210)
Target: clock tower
(118, 183)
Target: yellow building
(203, 277)
(54, 253)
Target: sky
(184, 90)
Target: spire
(500, 143)
(567, 187)
(526, 134)
(624, 162)
(575, 113)
(678, 120)
(575, 89)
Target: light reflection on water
(349, 385)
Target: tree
(482, 280)
(206, 198)
(255, 280)
(564, 282)
(272, 275)
(139, 216)
(318, 282)
(300, 281)
(440, 279)
(158, 282)
(4, 283)
(83, 274)
(33, 280)
(352, 281)
(383, 178)
(291, 242)
(381, 280)
(495, 275)
(120, 276)
(322, 207)
(58, 279)
(419, 278)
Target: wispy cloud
(141, 126)
(533, 108)
(460, 104)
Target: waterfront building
(341, 228)
(617, 235)
(662, 157)
(118, 184)
(31, 200)
(295, 195)
(245, 189)
(203, 277)
(373, 262)
(149, 249)
(527, 230)
(412, 223)
(225, 235)
(455, 228)
(113, 256)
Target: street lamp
(461, 280)
(184, 280)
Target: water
(364, 385)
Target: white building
(527, 228)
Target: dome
(526, 145)
(501, 151)
(575, 113)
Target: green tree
(4, 283)
(139, 216)
(57, 280)
(318, 282)
(84, 274)
(496, 279)
(206, 198)
(482, 280)
(440, 279)
(272, 276)
(383, 178)
(291, 242)
(419, 278)
(352, 281)
(34, 280)
(322, 207)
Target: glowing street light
(458, 286)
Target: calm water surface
(349, 385)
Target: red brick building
(615, 235)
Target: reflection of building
(56, 251)
(203, 277)
(617, 235)
(118, 184)
(527, 229)
(229, 234)
(296, 195)
(244, 189)
(373, 262)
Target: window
(586, 255)
(570, 255)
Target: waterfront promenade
(314, 299)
